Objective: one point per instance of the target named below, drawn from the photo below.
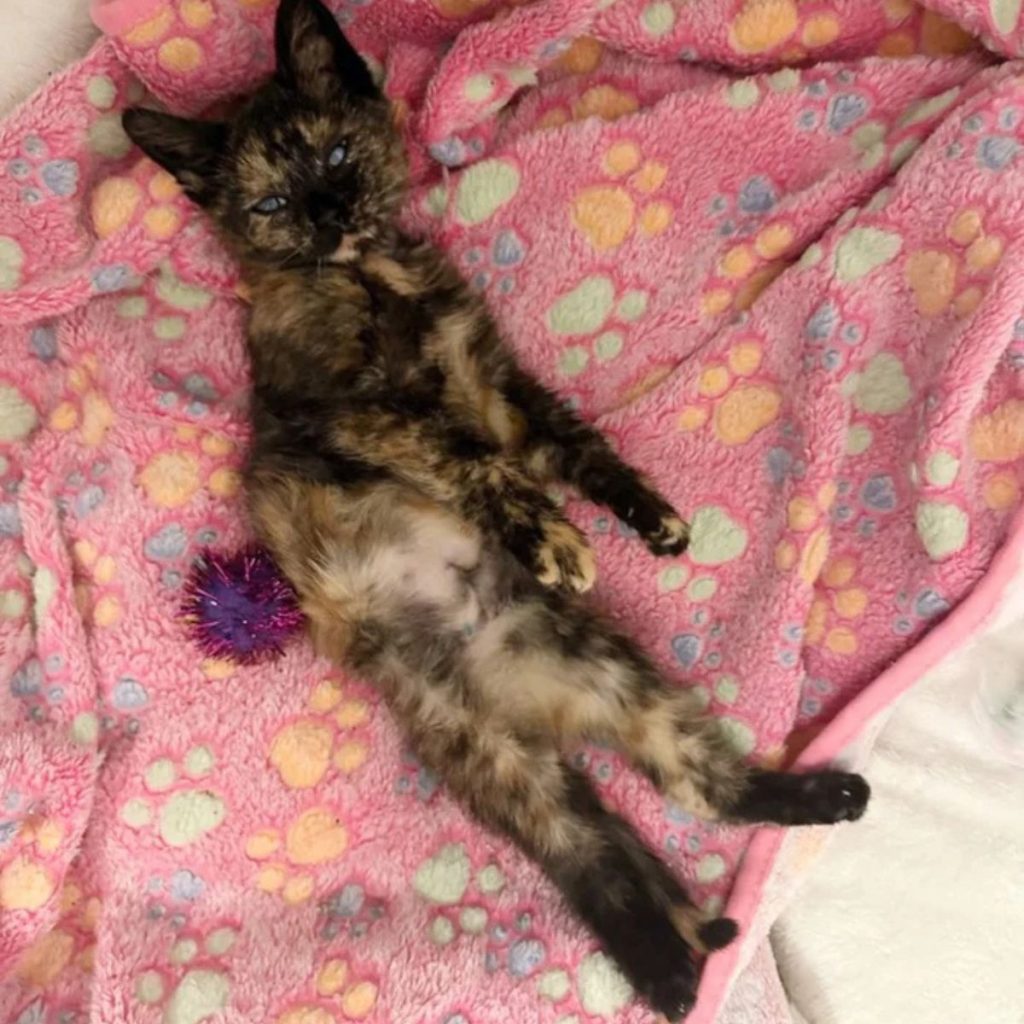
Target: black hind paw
(830, 797)
(673, 992)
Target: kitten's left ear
(313, 55)
(190, 150)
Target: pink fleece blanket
(794, 298)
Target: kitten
(397, 472)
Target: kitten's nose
(324, 210)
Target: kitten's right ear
(190, 150)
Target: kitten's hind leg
(686, 754)
(618, 887)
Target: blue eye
(270, 204)
(336, 157)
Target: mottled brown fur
(398, 472)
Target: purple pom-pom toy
(240, 606)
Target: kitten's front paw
(564, 557)
(671, 536)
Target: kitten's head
(309, 167)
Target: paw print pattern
(28, 841)
(495, 268)
(172, 548)
(608, 214)
(175, 31)
(806, 549)
(347, 911)
(145, 199)
(832, 336)
(85, 409)
(594, 307)
(955, 277)
(305, 749)
(315, 837)
(42, 177)
(175, 800)
(839, 603)
(69, 944)
(97, 591)
(746, 269)
(172, 476)
(193, 983)
(416, 779)
(168, 304)
(733, 397)
(338, 987)
(40, 685)
(446, 880)
(172, 898)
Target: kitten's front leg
(558, 444)
(487, 488)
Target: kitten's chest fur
(396, 328)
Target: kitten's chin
(347, 251)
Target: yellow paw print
(764, 25)
(26, 883)
(315, 837)
(737, 405)
(337, 988)
(806, 550)
(304, 750)
(170, 30)
(96, 595)
(172, 477)
(70, 944)
(607, 214)
(182, 810)
(843, 601)
(146, 195)
(745, 270)
(193, 984)
(941, 280)
(87, 409)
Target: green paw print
(181, 810)
(190, 994)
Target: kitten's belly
(426, 557)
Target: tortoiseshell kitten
(398, 473)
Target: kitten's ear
(313, 55)
(190, 150)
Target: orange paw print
(315, 837)
(303, 751)
(26, 882)
(942, 280)
(336, 988)
(96, 590)
(761, 26)
(172, 477)
(70, 944)
(807, 549)
(915, 31)
(608, 214)
(745, 270)
(171, 29)
(602, 101)
(737, 405)
(86, 408)
(840, 601)
(145, 195)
